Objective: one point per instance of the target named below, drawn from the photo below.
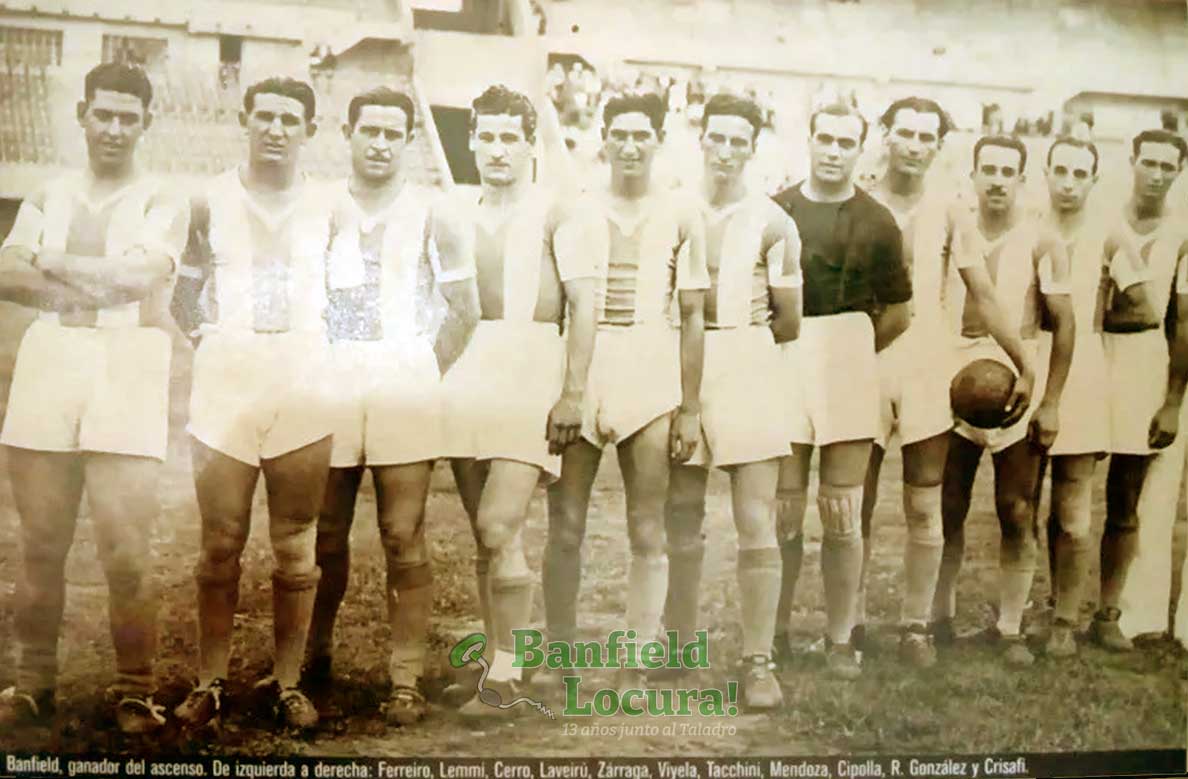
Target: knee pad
(791, 505)
(841, 512)
(295, 549)
(408, 576)
(296, 582)
(922, 511)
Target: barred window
(30, 46)
(135, 50)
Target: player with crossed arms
(93, 251)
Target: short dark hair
(724, 104)
(922, 105)
(382, 96)
(285, 87)
(1076, 143)
(118, 77)
(499, 99)
(838, 108)
(647, 103)
(1159, 136)
(1006, 142)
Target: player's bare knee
(496, 528)
(218, 560)
(647, 541)
(686, 545)
(922, 513)
(332, 543)
(685, 511)
(294, 543)
(398, 539)
(127, 579)
(566, 539)
(754, 521)
(1017, 519)
(1122, 522)
(923, 518)
(50, 555)
(415, 552)
(756, 535)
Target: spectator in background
(1169, 121)
(554, 82)
(542, 21)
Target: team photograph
(582, 379)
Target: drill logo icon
(470, 650)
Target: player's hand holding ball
(1020, 399)
(1164, 427)
(564, 424)
(684, 434)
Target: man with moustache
(915, 371)
(1029, 267)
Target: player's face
(501, 150)
(113, 122)
(997, 176)
(834, 147)
(631, 144)
(1070, 178)
(728, 145)
(377, 141)
(913, 141)
(1155, 168)
(276, 128)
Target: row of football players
(557, 340)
